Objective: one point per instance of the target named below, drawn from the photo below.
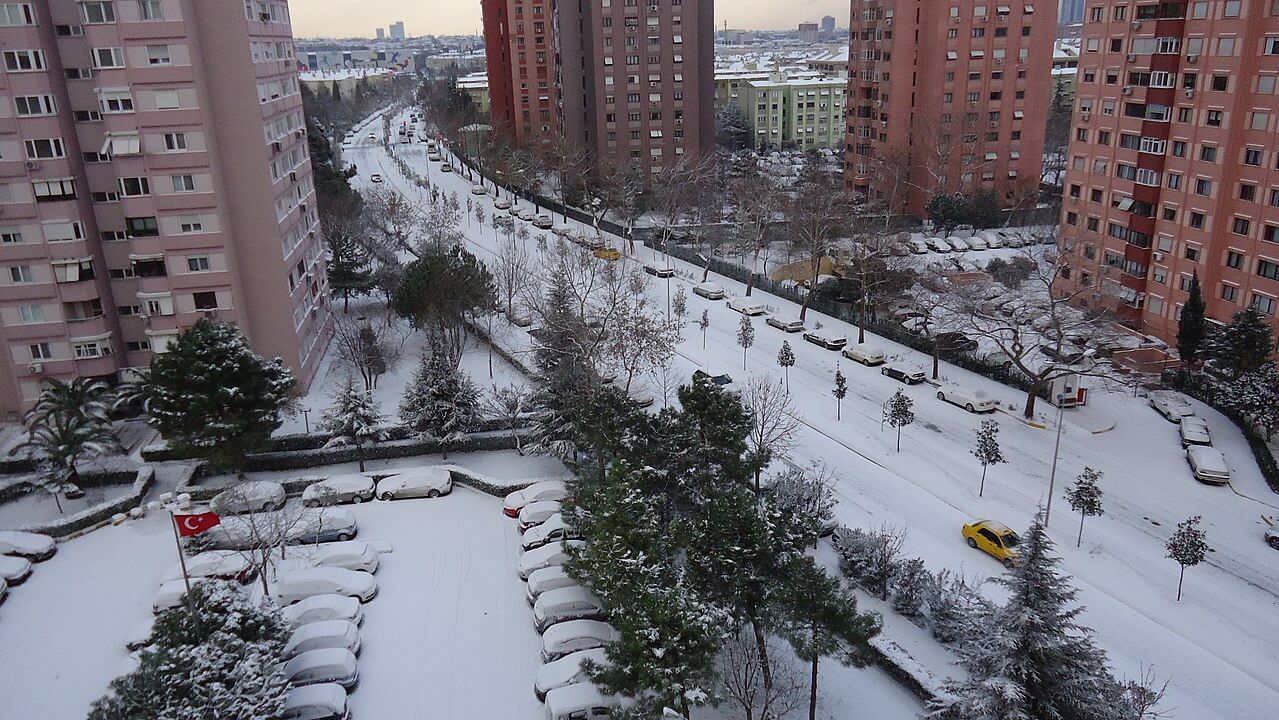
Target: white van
(867, 355)
(325, 701)
(563, 604)
(334, 665)
(580, 702)
(1208, 464)
(321, 635)
(566, 671)
(551, 578)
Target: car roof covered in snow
(573, 698)
(329, 695)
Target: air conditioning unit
(1085, 116)
(1127, 90)
(1192, 59)
(35, 368)
(33, 164)
(1132, 57)
(1190, 93)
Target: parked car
(643, 400)
(904, 373)
(297, 585)
(433, 156)
(574, 635)
(1272, 539)
(607, 253)
(994, 539)
(1208, 464)
(1068, 354)
(568, 670)
(957, 244)
(918, 247)
(563, 604)
(32, 546)
(709, 290)
(938, 245)
(350, 488)
(555, 490)
(322, 701)
(955, 342)
(1172, 406)
(14, 570)
(524, 214)
(548, 578)
(867, 355)
(349, 555)
(546, 556)
(536, 513)
(976, 242)
(998, 358)
(321, 636)
(560, 230)
(427, 482)
(826, 337)
(1194, 431)
(972, 400)
(249, 497)
(502, 204)
(746, 306)
(994, 240)
(721, 379)
(375, 178)
(661, 271)
(332, 665)
(446, 167)
(787, 325)
(583, 700)
(479, 190)
(543, 222)
(318, 608)
(220, 564)
(555, 529)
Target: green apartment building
(794, 113)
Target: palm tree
(81, 396)
(62, 439)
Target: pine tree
(900, 414)
(946, 613)
(348, 268)
(1245, 345)
(910, 588)
(1188, 546)
(353, 419)
(987, 451)
(1085, 498)
(745, 337)
(704, 323)
(563, 376)
(840, 392)
(212, 396)
(1192, 327)
(786, 361)
(441, 401)
(1255, 396)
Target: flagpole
(182, 560)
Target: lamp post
(1052, 477)
(306, 419)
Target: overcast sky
(345, 18)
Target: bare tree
(742, 670)
(513, 273)
(440, 227)
(666, 379)
(394, 221)
(774, 421)
(368, 348)
(258, 535)
(876, 270)
(679, 196)
(815, 216)
(754, 206)
(640, 340)
(511, 405)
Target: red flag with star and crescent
(189, 525)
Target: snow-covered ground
(1216, 645)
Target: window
(1208, 153)
(1234, 259)
(29, 105)
(1240, 226)
(191, 225)
(44, 149)
(141, 226)
(30, 314)
(40, 351)
(1264, 304)
(49, 190)
(175, 142)
(1268, 269)
(150, 10)
(183, 183)
(167, 100)
(159, 55)
(92, 349)
(205, 300)
(115, 101)
(17, 14)
(24, 60)
(10, 236)
(108, 58)
(134, 186)
(96, 13)
(1229, 293)
(198, 263)
(61, 231)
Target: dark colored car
(957, 342)
(904, 373)
(720, 380)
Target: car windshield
(1010, 539)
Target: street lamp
(1052, 477)
(306, 419)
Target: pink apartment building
(948, 96)
(153, 171)
(1173, 168)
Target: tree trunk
(982, 488)
(1031, 395)
(761, 649)
(899, 438)
(1080, 541)
(861, 322)
(936, 361)
(812, 690)
(359, 455)
(1180, 577)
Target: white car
(543, 222)
(14, 570)
(318, 608)
(938, 245)
(1194, 431)
(918, 247)
(323, 635)
(349, 555)
(709, 290)
(219, 564)
(352, 488)
(446, 168)
(568, 670)
(746, 306)
(994, 240)
(560, 230)
(433, 156)
(333, 665)
(254, 530)
(1172, 406)
(1208, 464)
(555, 528)
(536, 513)
(301, 584)
(524, 214)
(549, 578)
(555, 490)
(827, 338)
(32, 546)
(574, 635)
(974, 401)
(249, 497)
(564, 604)
(659, 271)
(322, 701)
(502, 204)
(546, 556)
(582, 700)
(478, 190)
(976, 243)
(375, 178)
(957, 244)
(867, 355)
(787, 325)
(421, 482)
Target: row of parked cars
(18, 550)
(985, 240)
(1206, 462)
(570, 619)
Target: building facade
(1173, 170)
(794, 113)
(628, 81)
(397, 30)
(947, 97)
(153, 171)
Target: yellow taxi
(607, 253)
(993, 538)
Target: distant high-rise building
(828, 24)
(163, 180)
(947, 97)
(397, 30)
(1071, 12)
(381, 34)
(625, 81)
(808, 31)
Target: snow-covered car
(568, 670)
(746, 306)
(1012, 241)
(545, 556)
(560, 230)
(524, 214)
(323, 635)
(427, 482)
(502, 204)
(297, 585)
(785, 324)
(661, 271)
(375, 178)
(446, 167)
(937, 244)
(514, 502)
(536, 513)
(555, 529)
(322, 701)
(1194, 431)
(918, 247)
(867, 355)
(1172, 406)
(977, 242)
(350, 488)
(434, 157)
(244, 532)
(349, 555)
(957, 244)
(543, 222)
(14, 570)
(720, 379)
(709, 290)
(478, 190)
(32, 546)
(333, 665)
(318, 608)
(172, 594)
(549, 578)
(1272, 537)
(972, 400)
(904, 373)
(1208, 464)
(567, 603)
(219, 564)
(249, 497)
(582, 700)
(828, 338)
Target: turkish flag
(189, 525)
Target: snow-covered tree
(1255, 396)
(953, 607)
(840, 392)
(212, 396)
(679, 305)
(353, 419)
(774, 421)
(440, 292)
(86, 397)
(807, 496)
(1085, 498)
(369, 349)
(510, 404)
(1245, 345)
(869, 557)
(910, 588)
(441, 401)
(1192, 327)
(899, 413)
(786, 361)
(987, 451)
(61, 439)
(745, 336)
(1188, 546)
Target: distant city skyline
(333, 18)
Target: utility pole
(1052, 477)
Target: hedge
(1207, 391)
(143, 480)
